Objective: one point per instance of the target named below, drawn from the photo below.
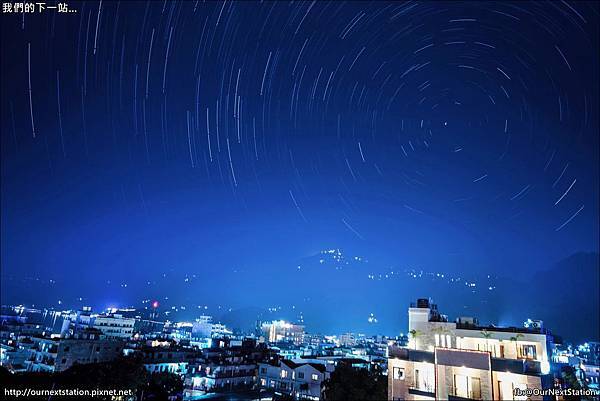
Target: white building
(348, 340)
(462, 360)
(300, 379)
(282, 331)
(114, 326)
(210, 376)
(202, 327)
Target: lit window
(398, 373)
(315, 377)
(284, 374)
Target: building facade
(462, 360)
(281, 331)
(301, 380)
(53, 354)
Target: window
(300, 375)
(398, 373)
(528, 352)
(284, 373)
(315, 377)
(448, 341)
(505, 390)
(263, 370)
(66, 349)
(263, 382)
(467, 387)
(461, 386)
(437, 340)
(475, 387)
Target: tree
(162, 385)
(124, 373)
(486, 334)
(349, 384)
(515, 339)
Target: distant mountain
(567, 297)
(334, 291)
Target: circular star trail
(284, 128)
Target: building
(14, 354)
(348, 340)
(54, 354)
(214, 375)
(112, 325)
(232, 366)
(299, 379)
(202, 327)
(589, 352)
(281, 331)
(463, 360)
(165, 356)
(220, 330)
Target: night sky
(206, 153)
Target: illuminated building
(348, 339)
(112, 325)
(463, 360)
(281, 331)
(589, 367)
(202, 327)
(589, 352)
(54, 354)
(299, 379)
(231, 366)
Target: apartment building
(54, 354)
(463, 360)
(112, 325)
(299, 379)
(281, 331)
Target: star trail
(231, 140)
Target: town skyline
(326, 163)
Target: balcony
(221, 375)
(518, 366)
(408, 354)
(424, 391)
